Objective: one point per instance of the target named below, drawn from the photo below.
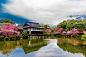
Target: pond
(41, 48)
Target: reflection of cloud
(46, 11)
(52, 50)
(44, 54)
(0, 52)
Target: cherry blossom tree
(58, 30)
(73, 32)
(84, 31)
(8, 29)
(48, 31)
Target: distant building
(33, 28)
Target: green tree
(24, 33)
(20, 25)
(46, 26)
(70, 24)
(52, 29)
(62, 25)
(5, 20)
(45, 32)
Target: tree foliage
(70, 24)
(24, 33)
(45, 32)
(58, 30)
(20, 25)
(46, 26)
(8, 29)
(83, 37)
(70, 47)
(5, 20)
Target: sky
(50, 12)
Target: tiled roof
(19, 27)
(26, 26)
(31, 24)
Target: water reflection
(40, 48)
(53, 50)
(33, 45)
(7, 47)
(72, 46)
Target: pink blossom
(84, 31)
(12, 33)
(69, 32)
(15, 28)
(4, 33)
(63, 32)
(8, 29)
(48, 31)
(17, 33)
(59, 30)
(75, 31)
(9, 33)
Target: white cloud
(17, 24)
(46, 11)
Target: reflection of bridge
(33, 45)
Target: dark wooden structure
(33, 29)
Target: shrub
(12, 36)
(81, 30)
(45, 32)
(58, 30)
(18, 36)
(1, 38)
(6, 38)
(83, 37)
(24, 33)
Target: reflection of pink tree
(9, 29)
(48, 31)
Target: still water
(41, 48)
